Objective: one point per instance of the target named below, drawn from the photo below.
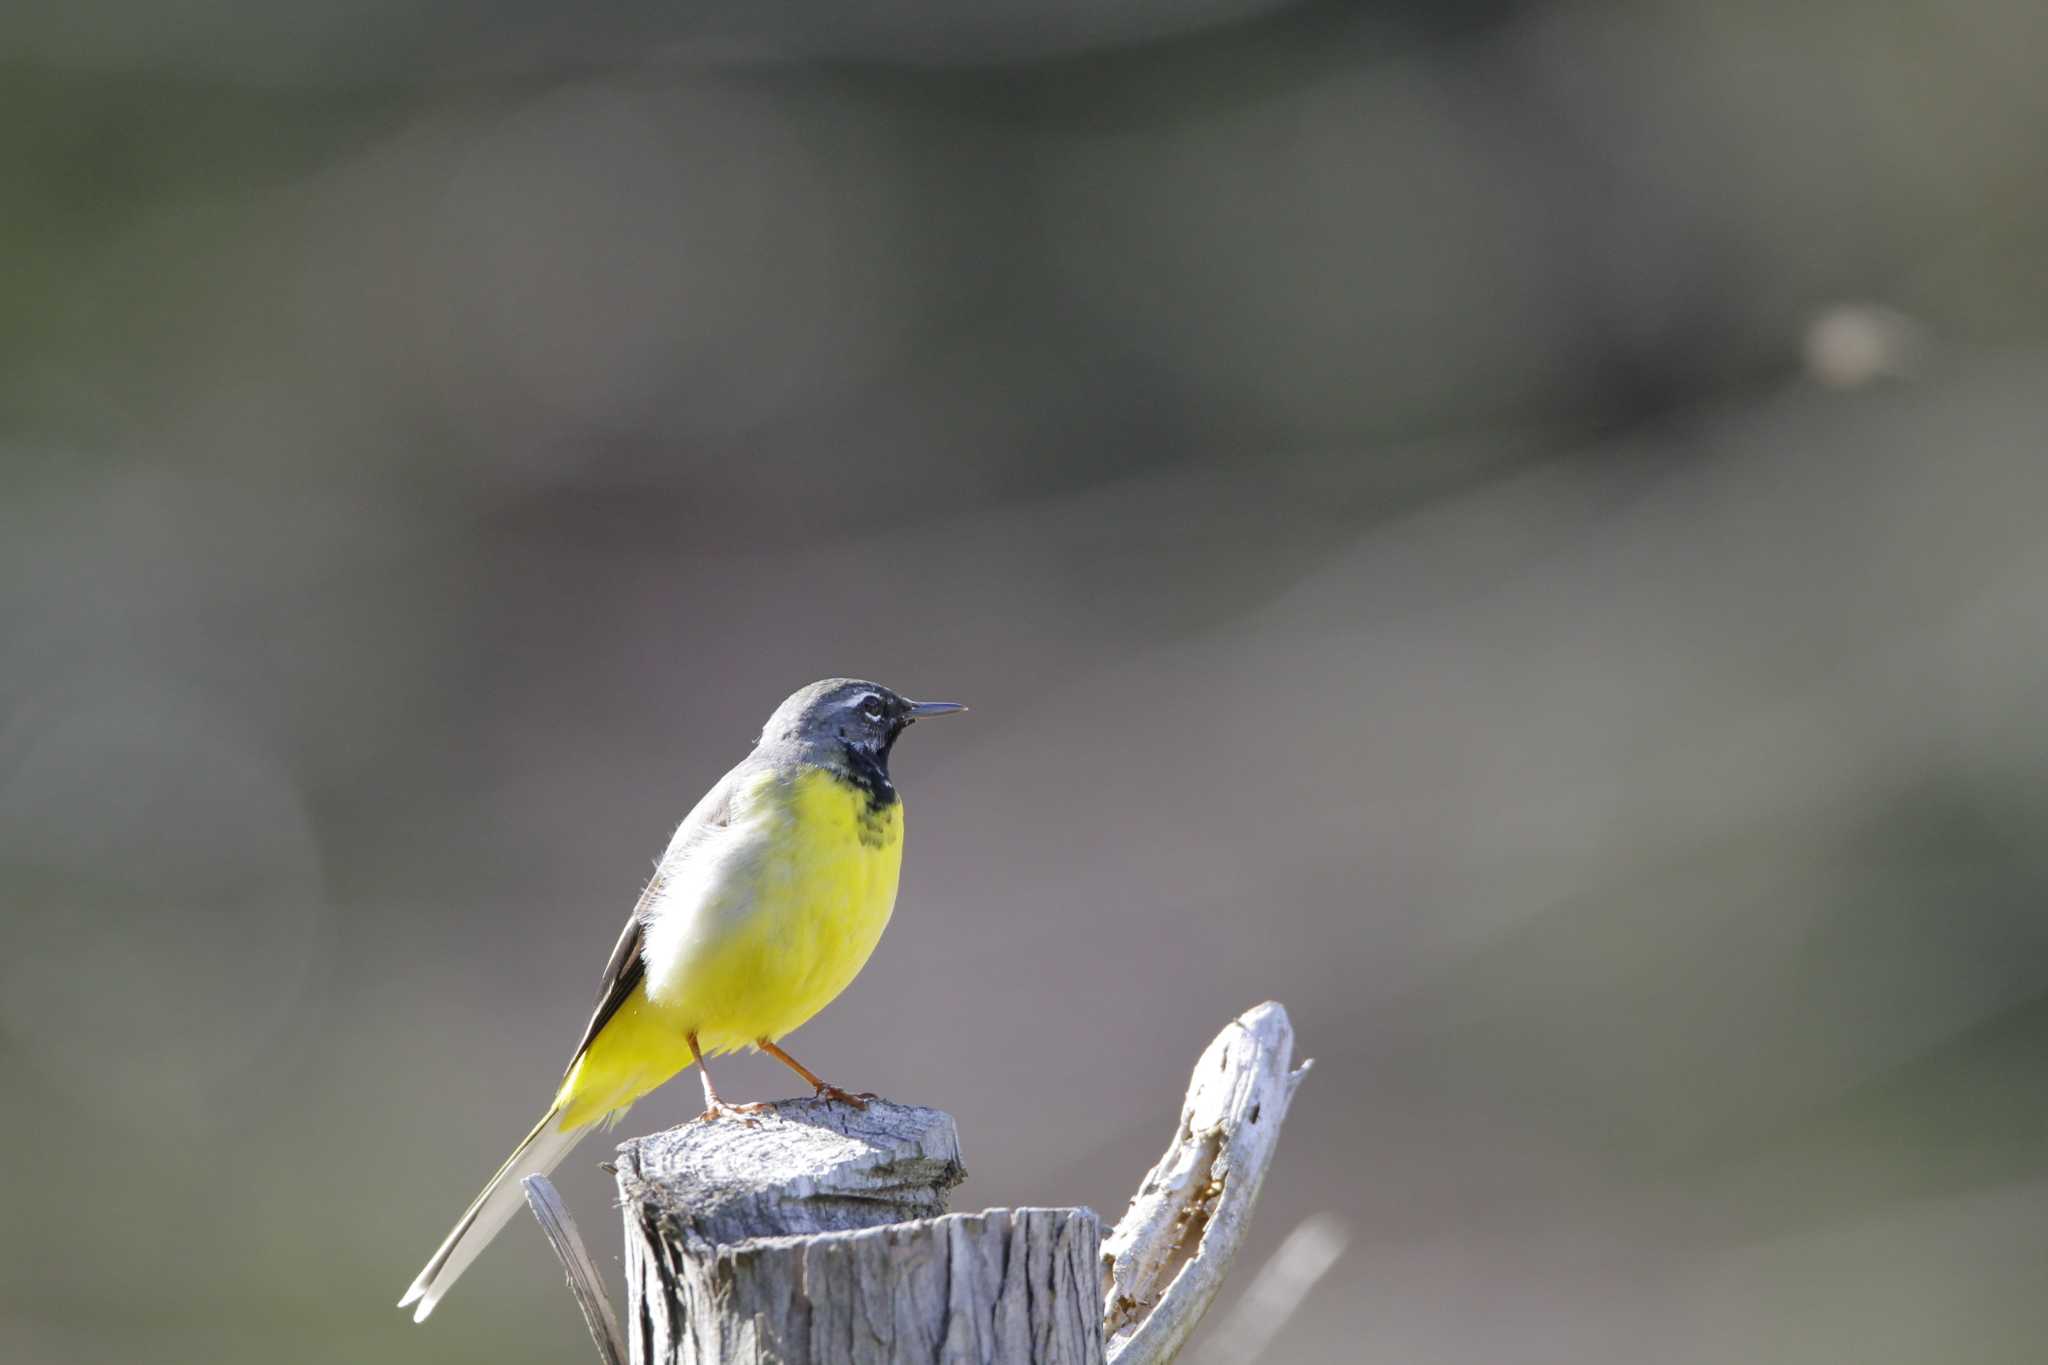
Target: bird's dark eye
(872, 708)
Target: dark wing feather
(626, 968)
(621, 975)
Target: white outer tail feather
(539, 1154)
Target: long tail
(543, 1148)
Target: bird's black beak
(920, 710)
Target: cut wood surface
(806, 1166)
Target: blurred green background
(1514, 528)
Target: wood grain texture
(1170, 1251)
(1003, 1287)
(808, 1166)
(820, 1236)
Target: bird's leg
(714, 1107)
(830, 1092)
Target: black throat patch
(869, 771)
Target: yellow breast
(758, 930)
(816, 894)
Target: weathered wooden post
(819, 1234)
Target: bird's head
(863, 717)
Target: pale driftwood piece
(1170, 1252)
(818, 1236)
(560, 1230)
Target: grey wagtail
(772, 893)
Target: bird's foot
(847, 1097)
(742, 1113)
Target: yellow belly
(815, 899)
(822, 894)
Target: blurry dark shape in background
(1514, 528)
